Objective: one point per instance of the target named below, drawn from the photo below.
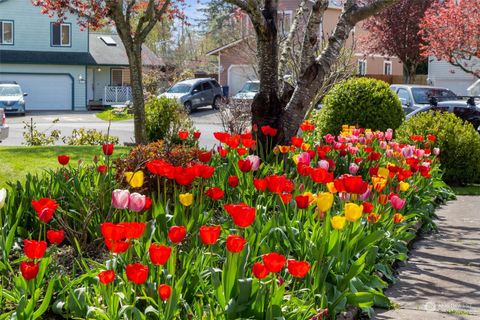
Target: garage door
(238, 75)
(45, 92)
(458, 86)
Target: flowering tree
(452, 33)
(133, 20)
(394, 32)
(283, 105)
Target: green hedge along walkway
(441, 280)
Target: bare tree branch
(157, 14)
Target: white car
(249, 90)
(3, 126)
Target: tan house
(236, 60)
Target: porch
(108, 86)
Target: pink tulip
(389, 153)
(356, 132)
(255, 161)
(352, 150)
(379, 135)
(436, 151)
(362, 140)
(383, 144)
(120, 198)
(137, 202)
(329, 138)
(304, 158)
(365, 196)
(407, 151)
(323, 164)
(353, 168)
(389, 134)
(419, 153)
(397, 203)
(369, 135)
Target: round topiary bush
(363, 102)
(458, 141)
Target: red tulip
(269, 131)
(367, 207)
(106, 276)
(260, 184)
(29, 269)
(159, 254)
(45, 208)
(242, 151)
(148, 203)
(221, 136)
(108, 149)
(34, 249)
(248, 142)
(183, 135)
(302, 201)
(137, 273)
(112, 231)
(63, 159)
(298, 269)
(133, 230)
(210, 234)
(286, 197)
(320, 175)
(279, 184)
(351, 184)
(117, 246)
(242, 215)
(297, 141)
(244, 165)
(222, 152)
(205, 156)
(259, 270)
(233, 181)
(215, 193)
(164, 290)
(55, 237)
(197, 134)
(102, 168)
(235, 243)
(176, 234)
(274, 262)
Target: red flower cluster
(351, 184)
(182, 175)
(233, 141)
(117, 236)
(215, 193)
(269, 131)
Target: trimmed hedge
(363, 102)
(458, 141)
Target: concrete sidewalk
(441, 280)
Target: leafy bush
(363, 102)
(164, 118)
(458, 141)
(33, 137)
(90, 137)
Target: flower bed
(303, 234)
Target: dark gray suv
(194, 93)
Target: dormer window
(61, 34)
(6, 32)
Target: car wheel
(215, 103)
(188, 107)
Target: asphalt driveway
(205, 120)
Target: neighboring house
(236, 60)
(443, 74)
(61, 66)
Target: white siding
(443, 74)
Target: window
(387, 68)
(6, 32)
(362, 67)
(215, 84)
(61, 34)
(120, 77)
(197, 89)
(206, 86)
(404, 96)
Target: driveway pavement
(205, 120)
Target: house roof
(46, 57)
(228, 45)
(108, 49)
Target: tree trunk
(135, 60)
(409, 74)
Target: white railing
(117, 95)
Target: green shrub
(90, 137)
(363, 102)
(458, 141)
(164, 118)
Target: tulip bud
(323, 164)
(137, 202)
(353, 168)
(436, 151)
(120, 198)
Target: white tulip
(3, 196)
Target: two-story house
(61, 66)
(236, 60)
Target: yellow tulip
(324, 201)
(404, 186)
(379, 183)
(383, 172)
(338, 222)
(295, 158)
(134, 179)
(186, 199)
(353, 211)
(312, 197)
(331, 187)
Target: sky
(191, 11)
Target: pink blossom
(323, 164)
(365, 195)
(389, 134)
(389, 153)
(436, 151)
(304, 158)
(329, 138)
(120, 198)
(383, 144)
(397, 203)
(137, 202)
(353, 168)
(255, 161)
(407, 151)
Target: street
(205, 120)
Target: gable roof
(108, 49)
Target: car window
(206, 86)
(180, 88)
(251, 87)
(197, 88)
(403, 94)
(215, 84)
(423, 95)
(10, 91)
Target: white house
(61, 66)
(443, 74)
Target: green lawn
(468, 190)
(16, 162)
(114, 115)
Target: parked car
(195, 93)
(465, 108)
(11, 97)
(248, 91)
(413, 97)
(3, 126)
